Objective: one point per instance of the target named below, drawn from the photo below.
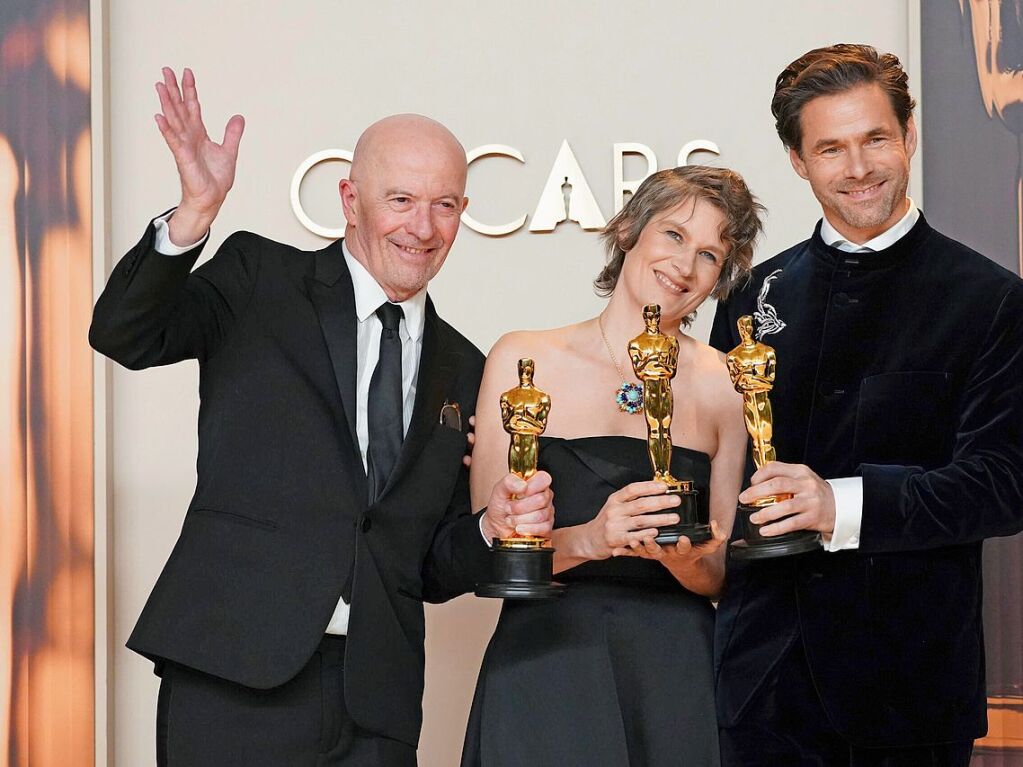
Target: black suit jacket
(279, 523)
(904, 367)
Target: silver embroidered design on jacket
(766, 315)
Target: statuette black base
(755, 546)
(688, 525)
(695, 533)
(520, 573)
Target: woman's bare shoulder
(535, 343)
(711, 374)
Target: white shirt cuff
(485, 539)
(163, 243)
(848, 514)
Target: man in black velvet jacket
(287, 624)
(898, 410)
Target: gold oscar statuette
(654, 357)
(524, 412)
(752, 368)
(523, 565)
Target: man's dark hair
(835, 69)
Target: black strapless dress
(617, 672)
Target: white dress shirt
(849, 490)
(368, 297)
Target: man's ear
(797, 164)
(348, 199)
(910, 138)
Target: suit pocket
(945, 635)
(449, 434)
(445, 449)
(236, 518)
(904, 418)
(408, 593)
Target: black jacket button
(367, 523)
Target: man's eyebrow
(878, 131)
(399, 192)
(824, 142)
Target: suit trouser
(786, 724)
(204, 721)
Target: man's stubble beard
(869, 218)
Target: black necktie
(385, 403)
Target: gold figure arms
(653, 354)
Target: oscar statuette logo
(523, 565)
(751, 366)
(997, 30)
(654, 357)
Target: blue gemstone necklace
(628, 396)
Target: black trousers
(204, 721)
(786, 724)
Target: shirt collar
(369, 296)
(886, 239)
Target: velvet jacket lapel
(331, 292)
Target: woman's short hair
(667, 189)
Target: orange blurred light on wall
(46, 431)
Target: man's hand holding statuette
(812, 506)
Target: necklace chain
(628, 396)
(614, 359)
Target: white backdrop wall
(310, 76)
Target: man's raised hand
(206, 169)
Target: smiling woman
(46, 544)
(687, 233)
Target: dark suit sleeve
(459, 557)
(156, 311)
(979, 494)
